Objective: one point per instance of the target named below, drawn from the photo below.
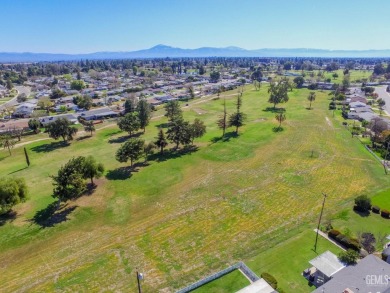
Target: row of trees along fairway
(236, 119)
(137, 116)
(179, 131)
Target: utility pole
(319, 222)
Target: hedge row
(344, 240)
(384, 213)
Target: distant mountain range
(162, 51)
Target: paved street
(381, 91)
(21, 89)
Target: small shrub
(333, 233)
(345, 123)
(375, 209)
(385, 214)
(348, 257)
(270, 280)
(353, 244)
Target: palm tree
(311, 98)
(7, 141)
(280, 117)
(89, 127)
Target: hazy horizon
(82, 27)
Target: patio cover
(327, 263)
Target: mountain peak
(161, 47)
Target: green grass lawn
(287, 260)
(382, 199)
(355, 75)
(229, 283)
(351, 223)
(186, 215)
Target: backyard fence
(238, 266)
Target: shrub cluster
(385, 214)
(344, 240)
(375, 209)
(270, 280)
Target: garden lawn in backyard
(382, 200)
(229, 283)
(351, 224)
(187, 214)
(287, 260)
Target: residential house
(98, 114)
(49, 119)
(370, 274)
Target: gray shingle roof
(371, 274)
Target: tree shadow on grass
(227, 137)
(163, 125)
(121, 173)
(51, 216)
(7, 217)
(274, 110)
(278, 129)
(83, 137)
(173, 153)
(112, 133)
(362, 214)
(90, 189)
(21, 169)
(45, 148)
(124, 138)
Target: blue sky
(81, 26)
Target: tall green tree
(61, 127)
(278, 92)
(237, 119)
(77, 85)
(45, 104)
(173, 110)
(130, 104)
(222, 122)
(197, 129)
(144, 113)
(9, 85)
(311, 98)
(149, 150)
(129, 123)
(34, 125)
(69, 182)
(92, 169)
(299, 81)
(12, 192)
(161, 140)
(131, 150)
(84, 102)
(179, 132)
(214, 76)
